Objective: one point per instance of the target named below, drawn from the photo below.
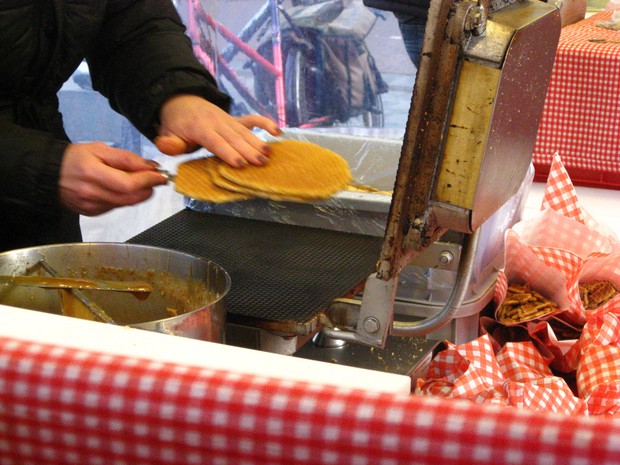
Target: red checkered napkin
(598, 379)
(469, 371)
(517, 376)
(531, 383)
(560, 196)
(560, 193)
(551, 229)
(559, 351)
(603, 326)
(598, 371)
(557, 342)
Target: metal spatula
(140, 289)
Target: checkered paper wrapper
(556, 251)
(552, 272)
(598, 370)
(560, 196)
(512, 364)
(516, 376)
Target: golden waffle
(296, 171)
(523, 304)
(231, 186)
(367, 189)
(195, 179)
(596, 293)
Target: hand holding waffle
(297, 171)
(189, 122)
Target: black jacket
(138, 56)
(408, 8)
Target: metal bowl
(188, 291)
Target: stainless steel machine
(471, 131)
(340, 281)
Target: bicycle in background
(310, 64)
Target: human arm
(145, 65)
(40, 175)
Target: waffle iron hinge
(370, 320)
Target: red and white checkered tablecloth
(67, 406)
(581, 116)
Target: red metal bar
(243, 47)
(277, 61)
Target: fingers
(247, 144)
(122, 175)
(239, 149)
(117, 158)
(93, 201)
(171, 145)
(189, 121)
(231, 141)
(95, 178)
(257, 121)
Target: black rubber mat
(279, 272)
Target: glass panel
(340, 77)
(88, 117)
(338, 64)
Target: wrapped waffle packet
(517, 376)
(542, 273)
(555, 340)
(575, 261)
(562, 244)
(567, 258)
(599, 283)
(552, 252)
(554, 320)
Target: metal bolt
(371, 325)
(445, 257)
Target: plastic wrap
(373, 162)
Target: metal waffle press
(374, 280)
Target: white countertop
(69, 332)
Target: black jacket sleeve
(412, 8)
(29, 172)
(142, 57)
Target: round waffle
(195, 179)
(296, 170)
(231, 186)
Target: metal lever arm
(373, 316)
(459, 291)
